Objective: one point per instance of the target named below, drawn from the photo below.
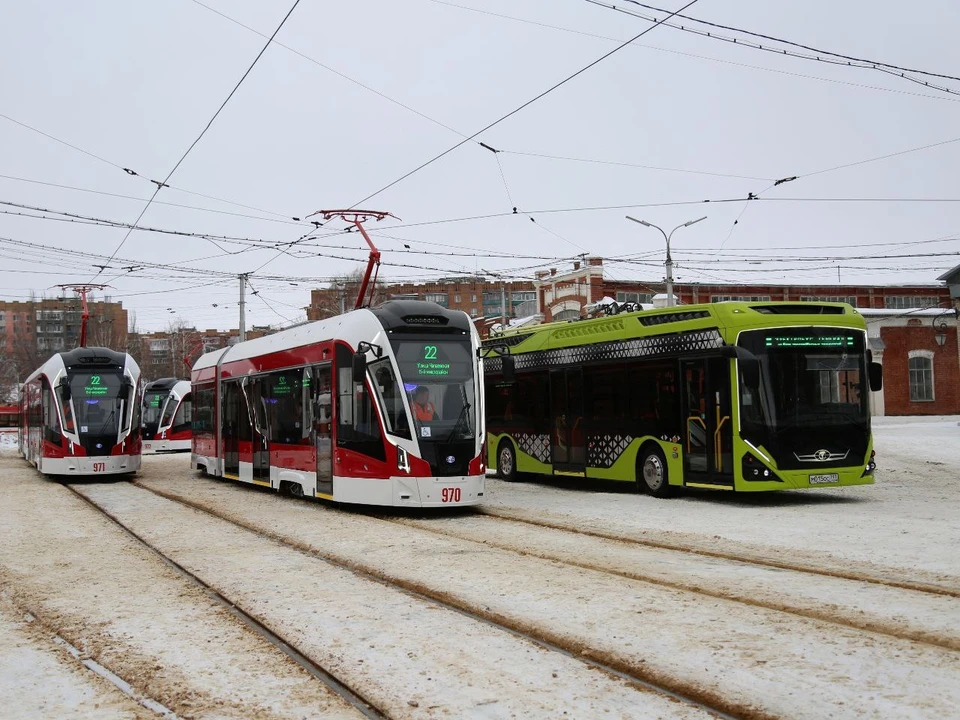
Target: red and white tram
(328, 409)
(80, 414)
(167, 416)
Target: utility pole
(243, 303)
(669, 263)
(503, 305)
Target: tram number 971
(450, 494)
(99, 466)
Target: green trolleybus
(728, 396)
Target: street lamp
(669, 262)
(940, 330)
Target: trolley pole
(243, 302)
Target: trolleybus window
(441, 372)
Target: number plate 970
(450, 495)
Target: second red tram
(379, 406)
(80, 414)
(167, 416)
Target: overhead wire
(835, 81)
(141, 199)
(869, 65)
(203, 132)
(517, 109)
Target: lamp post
(669, 262)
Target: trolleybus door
(322, 395)
(568, 449)
(708, 433)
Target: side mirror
(509, 368)
(359, 367)
(65, 391)
(748, 363)
(124, 393)
(875, 372)
(750, 370)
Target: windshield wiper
(108, 419)
(461, 417)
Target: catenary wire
(778, 71)
(517, 109)
(204, 131)
(779, 51)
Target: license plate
(825, 479)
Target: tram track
(334, 684)
(920, 587)
(855, 620)
(641, 677)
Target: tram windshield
(809, 378)
(97, 402)
(153, 406)
(437, 377)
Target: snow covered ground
(802, 604)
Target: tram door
(234, 428)
(568, 442)
(257, 391)
(708, 429)
(322, 424)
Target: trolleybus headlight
(753, 469)
(871, 464)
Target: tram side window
(184, 416)
(283, 396)
(236, 418)
(202, 410)
(357, 426)
(51, 421)
(168, 410)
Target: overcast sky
(135, 82)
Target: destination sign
(808, 341)
(431, 364)
(95, 388)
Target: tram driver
(423, 410)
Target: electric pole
(243, 302)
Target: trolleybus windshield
(438, 380)
(96, 400)
(813, 390)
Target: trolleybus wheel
(506, 461)
(652, 472)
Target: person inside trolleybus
(423, 410)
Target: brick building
(476, 296)
(171, 353)
(32, 330)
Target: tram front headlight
(403, 460)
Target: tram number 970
(450, 494)
(99, 466)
